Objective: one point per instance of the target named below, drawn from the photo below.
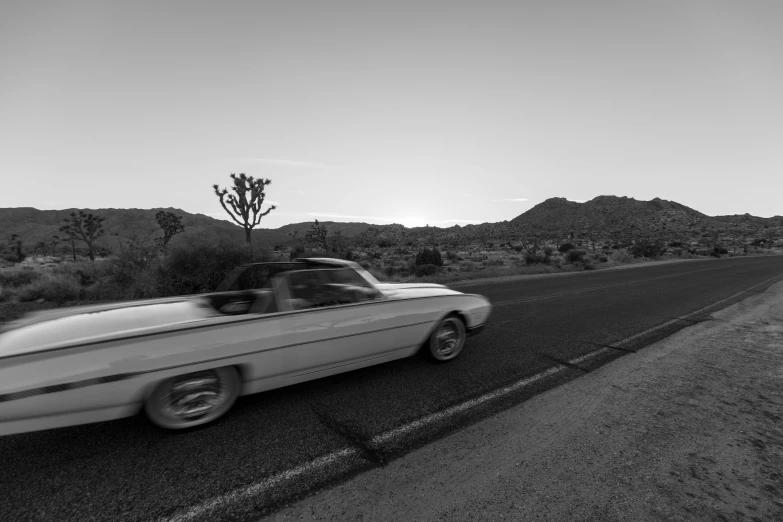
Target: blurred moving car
(185, 360)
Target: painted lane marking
(344, 454)
(263, 486)
(460, 408)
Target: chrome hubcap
(194, 396)
(448, 340)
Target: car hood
(408, 290)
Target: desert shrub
(425, 270)
(492, 262)
(574, 256)
(385, 243)
(451, 255)
(388, 270)
(199, 268)
(717, 251)
(56, 288)
(677, 251)
(429, 257)
(565, 247)
(535, 259)
(18, 278)
(621, 256)
(518, 248)
(365, 264)
(647, 248)
(675, 244)
(548, 250)
(602, 258)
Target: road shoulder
(689, 428)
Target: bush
(675, 244)
(451, 255)
(55, 288)
(647, 248)
(535, 259)
(575, 256)
(621, 256)
(565, 247)
(199, 268)
(365, 264)
(602, 258)
(426, 270)
(677, 251)
(18, 278)
(548, 251)
(429, 257)
(518, 248)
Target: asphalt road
(277, 446)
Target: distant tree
(14, 245)
(83, 227)
(338, 242)
(318, 235)
(53, 243)
(245, 202)
(40, 248)
(171, 225)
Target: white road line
(260, 488)
(459, 408)
(263, 486)
(588, 356)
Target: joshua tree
(245, 202)
(171, 225)
(318, 235)
(83, 227)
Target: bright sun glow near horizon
(436, 113)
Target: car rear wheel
(193, 399)
(448, 339)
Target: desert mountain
(603, 219)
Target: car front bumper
(475, 330)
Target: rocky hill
(604, 219)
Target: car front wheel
(448, 339)
(193, 399)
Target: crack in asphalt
(367, 450)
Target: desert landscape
(143, 253)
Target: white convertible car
(185, 360)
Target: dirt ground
(690, 428)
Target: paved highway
(280, 445)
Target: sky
(437, 113)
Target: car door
(337, 321)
